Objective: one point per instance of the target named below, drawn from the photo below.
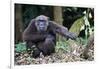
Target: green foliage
(75, 28)
(82, 41)
(20, 47)
(89, 29)
(62, 45)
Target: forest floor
(61, 56)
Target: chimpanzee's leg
(48, 46)
(32, 47)
(36, 52)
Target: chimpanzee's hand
(71, 35)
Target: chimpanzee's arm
(62, 30)
(34, 37)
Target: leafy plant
(20, 47)
(61, 45)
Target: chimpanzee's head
(41, 23)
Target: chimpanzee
(41, 33)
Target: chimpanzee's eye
(42, 21)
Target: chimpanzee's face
(41, 23)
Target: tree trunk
(58, 17)
(90, 46)
(18, 23)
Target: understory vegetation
(66, 51)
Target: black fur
(44, 41)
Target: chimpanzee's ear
(33, 20)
